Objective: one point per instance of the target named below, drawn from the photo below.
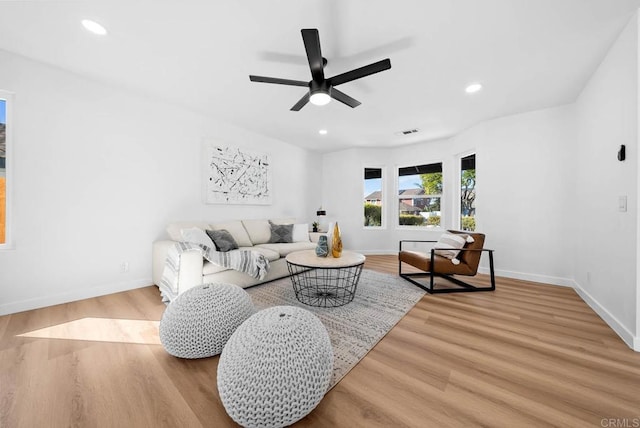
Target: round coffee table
(324, 281)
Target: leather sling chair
(432, 265)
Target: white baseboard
(632, 341)
(534, 277)
(73, 295)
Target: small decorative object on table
(322, 249)
(336, 242)
(315, 226)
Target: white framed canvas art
(234, 175)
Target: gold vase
(336, 242)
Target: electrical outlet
(124, 267)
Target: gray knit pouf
(275, 368)
(198, 323)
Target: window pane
(3, 170)
(373, 197)
(419, 195)
(468, 193)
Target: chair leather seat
(422, 260)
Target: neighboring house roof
(375, 196)
(411, 192)
(406, 207)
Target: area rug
(381, 300)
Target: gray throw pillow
(281, 233)
(223, 240)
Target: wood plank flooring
(525, 355)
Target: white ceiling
(528, 54)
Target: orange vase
(336, 242)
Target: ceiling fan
(321, 89)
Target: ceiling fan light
(320, 98)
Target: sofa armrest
(191, 265)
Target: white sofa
(249, 234)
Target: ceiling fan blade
(303, 101)
(311, 40)
(376, 67)
(264, 79)
(344, 98)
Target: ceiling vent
(408, 131)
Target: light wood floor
(525, 355)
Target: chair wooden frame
(430, 288)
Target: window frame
(383, 174)
(443, 210)
(458, 188)
(8, 97)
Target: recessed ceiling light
(322, 132)
(94, 27)
(473, 87)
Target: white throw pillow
(174, 230)
(301, 232)
(198, 236)
(449, 244)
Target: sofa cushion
(281, 233)
(271, 255)
(223, 240)
(284, 249)
(258, 230)
(174, 229)
(209, 268)
(236, 229)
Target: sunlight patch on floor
(142, 332)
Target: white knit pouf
(198, 323)
(275, 368)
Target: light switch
(622, 204)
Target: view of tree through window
(419, 195)
(373, 197)
(468, 193)
(3, 170)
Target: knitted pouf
(198, 323)
(275, 368)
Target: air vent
(408, 131)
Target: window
(5, 152)
(468, 193)
(419, 195)
(373, 197)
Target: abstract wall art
(233, 175)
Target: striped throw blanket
(245, 261)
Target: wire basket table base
(325, 287)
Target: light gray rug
(381, 300)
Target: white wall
(548, 189)
(606, 247)
(524, 179)
(98, 173)
(523, 183)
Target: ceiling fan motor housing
(319, 87)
